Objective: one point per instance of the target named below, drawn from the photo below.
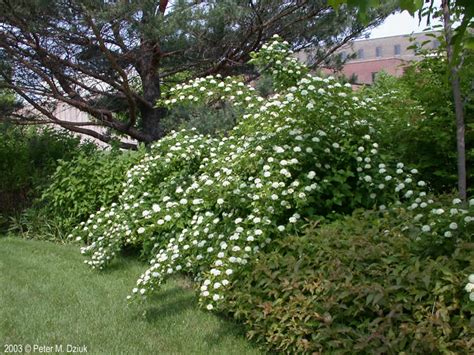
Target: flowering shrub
(207, 206)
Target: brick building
(367, 57)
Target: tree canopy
(113, 59)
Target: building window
(374, 76)
(343, 55)
(378, 52)
(397, 49)
(360, 54)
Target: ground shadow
(167, 303)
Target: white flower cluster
(207, 206)
(212, 88)
(470, 287)
(286, 70)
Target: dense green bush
(356, 286)
(77, 188)
(207, 206)
(28, 156)
(419, 122)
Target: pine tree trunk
(151, 116)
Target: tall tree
(112, 59)
(454, 65)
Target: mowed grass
(48, 297)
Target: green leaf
(411, 6)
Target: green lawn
(48, 297)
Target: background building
(388, 54)
(367, 57)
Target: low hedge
(356, 285)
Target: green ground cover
(49, 297)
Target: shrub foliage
(28, 157)
(356, 285)
(206, 205)
(209, 206)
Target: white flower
(457, 201)
(220, 201)
(448, 234)
(426, 228)
(471, 278)
(209, 307)
(453, 225)
(141, 230)
(281, 228)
